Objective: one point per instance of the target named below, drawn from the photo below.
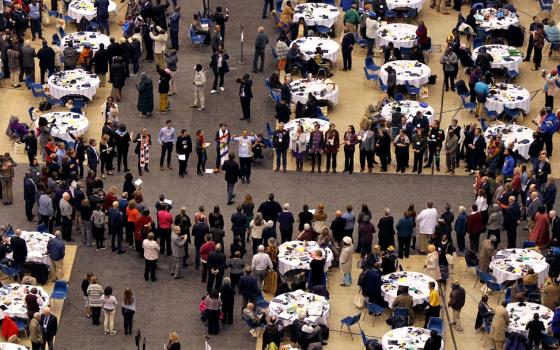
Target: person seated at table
(18, 130)
(392, 53)
(86, 56)
(531, 278)
(404, 301)
(370, 283)
(295, 60)
(299, 29)
(312, 105)
(199, 29)
(308, 234)
(433, 342)
(465, 56)
(274, 82)
(416, 54)
(305, 333)
(273, 333)
(253, 317)
(550, 292)
(389, 261)
(287, 15)
(518, 290)
(484, 60)
(322, 63)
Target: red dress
(539, 234)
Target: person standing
(183, 149)
(109, 304)
(366, 139)
(402, 146)
(222, 139)
(345, 261)
(66, 210)
(115, 225)
(199, 82)
(449, 61)
(160, 41)
(46, 58)
(151, 254)
(219, 67)
(92, 156)
(174, 18)
(166, 138)
(316, 146)
(216, 268)
(35, 19)
(145, 103)
(500, 324)
(286, 223)
(143, 144)
(245, 95)
(28, 59)
(451, 147)
(532, 29)
(7, 174)
(350, 141)
(102, 8)
(122, 140)
(405, 229)
(178, 242)
(512, 217)
(35, 332)
(128, 310)
(232, 174)
(49, 325)
(332, 144)
(56, 251)
(538, 44)
(163, 89)
(281, 142)
(347, 45)
(245, 155)
(29, 195)
(13, 58)
(165, 221)
(456, 303)
(261, 41)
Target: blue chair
(478, 6)
(507, 297)
(320, 115)
(482, 34)
(261, 303)
(323, 31)
(92, 26)
(22, 325)
(546, 5)
(205, 20)
(483, 277)
(496, 287)
(383, 87)
(477, 42)
(365, 340)
(402, 312)
(528, 244)
(269, 130)
(490, 114)
(30, 111)
(196, 39)
(375, 310)
(346, 4)
(511, 114)
(406, 52)
(53, 13)
(56, 39)
(390, 15)
(412, 90)
(60, 290)
(399, 96)
(370, 64)
(370, 76)
(350, 321)
(37, 90)
(76, 110)
(11, 271)
(29, 81)
(329, 2)
(550, 341)
(510, 75)
(467, 104)
(411, 13)
(436, 324)
(79, 102)
(42, 228)
(61, 31)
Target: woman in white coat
(432, 263)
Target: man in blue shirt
(166, 138)
(56, 252)
(481, 90)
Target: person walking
(178, 242)
(261, 41)
(199, 83)
(102, 14)
(128, 309)
(174, 18)
(166, 138)
(245, 95)
(232, 174)
(56, 251)
(151, 254)
(456, 303)
(219, 67)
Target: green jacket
(352, 16)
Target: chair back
(508, 296)
(478, 6)
(60, 286)
(494, 286)
(528, 244)
(355, 319)
(401, 311)
(269, 130)
(435, 324)
(56, 39)
(62, 32)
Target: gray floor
(173, 305)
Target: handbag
(359, 300)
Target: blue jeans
(230, 187)
(281, 153)
(347, 279)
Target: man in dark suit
(216, 267)
(19, 249)
(183, 149)
(232, 174)
(248, 287)
(286, 91)
(29, 195)
(49, 326)
(199, 230)
(92, 156)
(512, 215)
(239, 224)
(245, 95)
(270, 209)
(347, 45)
(281, 142)
(478, 148)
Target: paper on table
(168, 201)
(138, 182)
(182, 157)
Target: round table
(296, 255)
(85, 8)
(94, 38)
(66, 123)
(308, 125)
(308, 45)
(73, 82)
(285, 307)
(521, 313)
(12, 300)
(317, 14)
(409, 108)
(416, 282)
(406, 338)
(511, 264)
(412, 72)
(401, 34)
(399, 4)
(510, 96)
(322, 89)
(504, 56)
(11, 346)
(36, 243)
(487, 19)
(521, 136)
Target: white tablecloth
(416, 4)
(285, 307)
(308, 125)
(73, 82)
(301, 89)
(413, 72)
(417, 286)
(511, 264)
(36, 247)
(487, 19)
(294, 255)
(93, 38)
(512, 97)
(406, 338)
(66, 123)
(522, 137)
(12, 299)
(317, 14)
(520, 315)
(308, 45)
(11, 346)
(409, 108)
(501, 56)
(85, 8)
(401, 34)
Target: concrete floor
(172, 305)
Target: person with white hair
(426, 222)
(254, 318)
(345, 261)
(35, 333)
(268, 232)
(66, 214)
(50, 325)
(178, 241)
(261, 41)
(260, 264)
(307, 234)
(56, 252)
(309, 333)
(286, 223)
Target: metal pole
(241, 43)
